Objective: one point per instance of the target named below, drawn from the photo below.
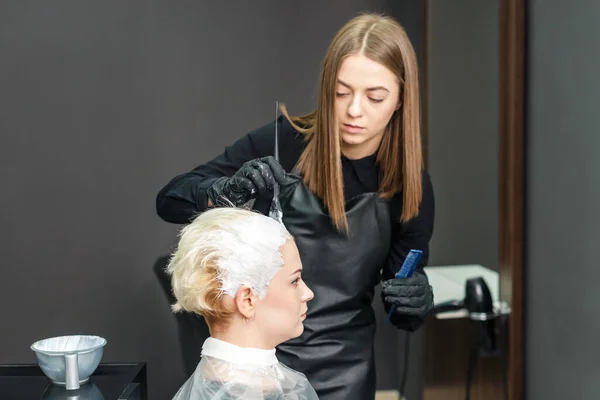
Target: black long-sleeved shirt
(185, 195)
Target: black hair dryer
(478, 302)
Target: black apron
(336, 350)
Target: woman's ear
(245, 302)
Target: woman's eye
(375, 100)
(295, 281)
(340, 94)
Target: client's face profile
(283, 309)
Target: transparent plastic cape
(216, 379)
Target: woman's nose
(355, 107)
(308, 294)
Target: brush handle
(407, 269)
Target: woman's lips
(353, 128)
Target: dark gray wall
(563, 193)
(410, 14)
(100, 104)
(463, 114)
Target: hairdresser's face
(367, 94)
(281, 312)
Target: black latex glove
(412, 296)
(255, 178)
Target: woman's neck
(244, 334)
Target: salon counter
(123, 381)
(448, 340)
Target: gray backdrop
(463, 56)
(563, 194)
(100, 104)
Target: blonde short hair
(222, 249)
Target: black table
(122, 381)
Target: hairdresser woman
(354, 196)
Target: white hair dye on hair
(253, 253)
(242, 243)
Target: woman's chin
(352, 139)
(299, 329)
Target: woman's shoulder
(265, 134)
(290, 141)
(427, 200)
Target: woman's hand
(255, 178)
(412, 296)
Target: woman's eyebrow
(341, 82)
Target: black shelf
(110, 381)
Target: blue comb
(407, 269)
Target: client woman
(242, 272)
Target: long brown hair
(382, 39)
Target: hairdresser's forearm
(185, 195)
(183, 198)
